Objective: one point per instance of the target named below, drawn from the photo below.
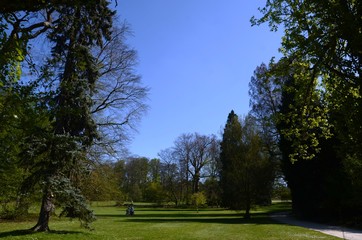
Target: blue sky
(197, 57)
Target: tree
(314, 183)
(58, 156)
(182, 153)
(320, 32)
(19, 116)
(265, 96)
(17, 29)
(212, 190)
(136, 178)
(195, 152)
(265, 91)
(230, 156)
(317, 185)
(101, 184)
(325, 38)
(119, 97)
(170, 176)
(87, 88)
(198, 199)
(154, 166)
(246, 170)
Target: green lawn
(165, 223)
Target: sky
(197, 58)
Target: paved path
(337, 231)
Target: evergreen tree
(246, 174)
(230, 157)
(59, 156)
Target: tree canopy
(319, 79)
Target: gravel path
(337, 231)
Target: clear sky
(197, 57)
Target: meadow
(165, 223)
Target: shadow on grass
(18, 233)
(171, 215)
(201, 217)
(223, 216)
(259, 220)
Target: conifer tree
(246, 174)
(230, 158)
(58, 157)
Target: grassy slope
(152, 223)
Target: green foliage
(321, 106)
(101, 184)
(155, 193)
(12, 52)
(198, 200)
(212, 190)
(71, 200)
(302, 119)
(22, 118)
(135, 179)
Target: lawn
(165, 223)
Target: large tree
(316, 184)
(87, 88)
(324, 37)
(74, 129)
(56, 155)
(327, 37)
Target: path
(337, 231)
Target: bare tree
(195, 151)
(170, 175)
(119, 99)
(182, 153)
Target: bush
(198, 200)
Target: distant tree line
(236, 172)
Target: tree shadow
(181, 214)
(260, 220)
(201, 217)
(18, 233)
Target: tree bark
(47, 207)
(247, 212)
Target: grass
(166, 223)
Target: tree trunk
(47, 207)
(247, 207)
(196, 182)
(247, 213)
